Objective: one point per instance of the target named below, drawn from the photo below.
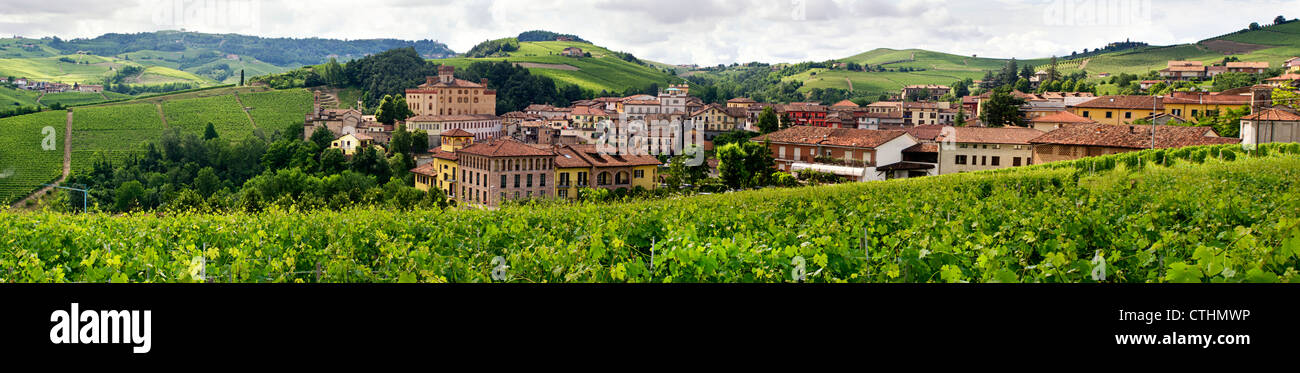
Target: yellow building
(446, 95)
(1119, 110)
(352, 143)
(1191, 105)
(714, 118)
(441, 172)
(741, 102)
(582, 166)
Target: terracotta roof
(1284, 78)
(741, 100)
(885, 104)
(456, 132)
(1273, 114)
(455, 83)
(1123, 102)
(992, 135)
(926, 86)
(926, 132)
(1185, 69)
(515, 114)
(587, 110)
(362, 136)
(506, 147)
(1062, 117)
(1185, 63)
(572, 156)
(845, 103)
(1132, 137)
(440, 154)
(428, 169)
(849, 137)
(925, 147)
(1248, 65)
(641, 102)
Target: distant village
(480, 158)
(51, 87)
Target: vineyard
(277, 109)
(30, 153)
(112, 132)
(193, 115)
(1209, 214)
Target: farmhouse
(1248, 67)
(1049, 123)
(1284, 81)
(1184, 70)
(1092, 140)
(856, 154)
(1118, 109)
(352, 143)
(984, 148)
(1278, 124)
(572, 52)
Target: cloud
(706, 32)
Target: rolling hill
(605, 70)
(1273, 44)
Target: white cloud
(706, 32)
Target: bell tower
(1261, 97)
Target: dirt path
(1084, 65)
(245, 109)
(67, 166)
(850, 84)
(38, 98)
(161, 115)
(101, 94)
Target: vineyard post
(318, 272)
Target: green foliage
(767, 121)
(745, 165)
(494, 48)
(1038, 224)
(24, 160)
(1002, 109)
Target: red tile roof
(574, 156)
(428, 169)
(741, 100)
(440, 154)
(992, 135)
(1248, 65)
(1062, 117)
(1284, 78)
(1132, 137)
(456, 132)
(1208, 99)
(452, 118)
(506, 147)
(845, 103)
(926, 132)
(848, 137)
(1273, 114)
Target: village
(544, 151)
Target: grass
(10, 97)
(112, 132)
(25, 162)
(278, 109)
(90, 70)
(603, 71)
(78, 98)
(193, 115)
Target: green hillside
(603, 71)
(87, 69)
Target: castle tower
(1261, 97)
(446, 74)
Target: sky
(704, 32)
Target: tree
(400, 142)
(1027, 72)
(679, 173)
(961, 89)
(332, 161)
(1008, 75)
(767, 121)
(1053, 73)
(1226, 81)
(323, 137)
(1279, 20)
(1254, 26)
(209, 132)
(1001, 109)
(961, 117)
(129, 196)
(419, 141)
(1022, 85)
(241, 77)
(207, 182)
(745, 165)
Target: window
(563, 193)
(1086, 114)
(961, 159)
(503, 181)
(639, 174)
(1015, 162)
(543, 181)
(564, 179)
(1128, 115)
(516, 183)
(1109, 115)
(582, 179)
(530, 181)
(984, 161)
(997, 161)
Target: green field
(193, 115)
(277, 109)
(89, 70)
(25, 163)
(112, 132)
(79, 98)
(10, 97)
(1145, 215)
(603, 71)
(15, 48)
